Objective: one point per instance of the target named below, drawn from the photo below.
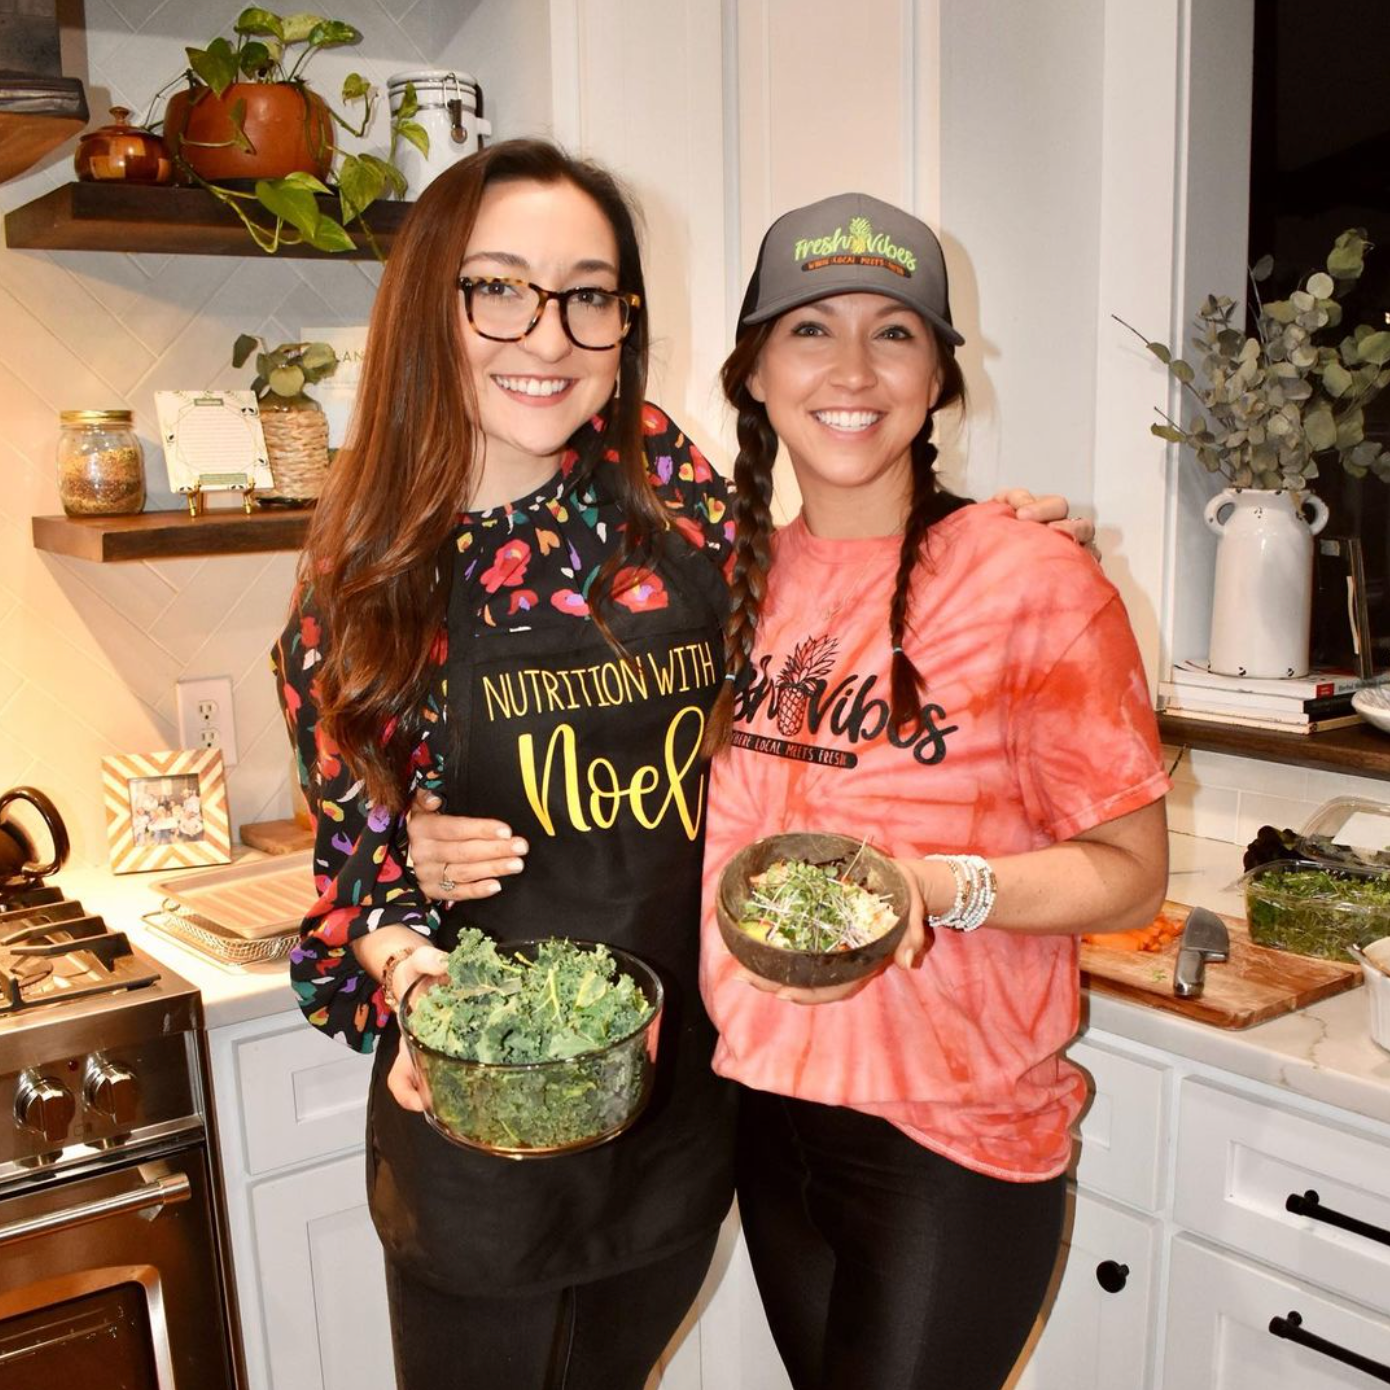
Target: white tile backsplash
(93, 651)
(1222, 797)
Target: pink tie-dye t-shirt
(1037, 726)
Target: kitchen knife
(1204, 938)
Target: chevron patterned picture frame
(166, 810)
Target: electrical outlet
(206, 717)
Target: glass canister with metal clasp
(101, 467)
(449, 109)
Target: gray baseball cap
(849, 244)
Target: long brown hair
(377, 559)
(751, 508)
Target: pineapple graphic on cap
(861, 230)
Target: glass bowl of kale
(812, 909)
(533, 1048)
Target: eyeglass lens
(594, 318)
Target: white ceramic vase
(1262, 606)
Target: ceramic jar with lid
(450, 111)
(122, 153)
(101, 467)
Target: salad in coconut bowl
(812, 910)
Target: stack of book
(1297, 705)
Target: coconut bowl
(809, 969)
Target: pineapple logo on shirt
(813, 660)
(802, 696)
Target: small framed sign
(166, 810)
(213, 442)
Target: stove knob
(44, 1105)
(111, 1089)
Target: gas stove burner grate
(34, 896)
(54, 953)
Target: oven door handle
(161, 1193)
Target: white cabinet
(1292, 1190)
(291, 1115)
(1124, 1128)
(1099, 1330)
(322, 1286)
(1186, 1177)
(1179, 1251)
(1221, 1311)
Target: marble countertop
(1323, 1052)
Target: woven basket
(296, 441)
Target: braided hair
(751, 509)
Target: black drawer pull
(1309, 1205)
(1111, 1276)
(1291, 1328)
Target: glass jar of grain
(101, 469)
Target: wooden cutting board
(1255, 984)
(276, 836)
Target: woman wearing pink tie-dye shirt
(942, 681)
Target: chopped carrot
(1153, 937)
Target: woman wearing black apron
(512, 597)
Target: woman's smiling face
(847, 383)
(535, 393)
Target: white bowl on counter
(1378, 990)
(1372, 703)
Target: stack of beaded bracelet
(975, 890)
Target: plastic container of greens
(539, 1109)
(1315, 908)
(1349, 829)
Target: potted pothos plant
(248, 128)
(293, 422)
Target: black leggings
(882, 1264)
(604, 1335)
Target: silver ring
(445, 882)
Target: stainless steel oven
(111, 1248)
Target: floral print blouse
(532, 562)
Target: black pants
(882, 1264)
(604, 1335)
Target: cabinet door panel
(301, 1095)
(1092, 1338)
(1239, 1162)
(1124, 1128)
(1218, 1332)
(322, 1285)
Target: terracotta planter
(290, 129)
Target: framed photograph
(166, 810)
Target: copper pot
(289, 128)
(122, 153)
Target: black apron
(554, 731)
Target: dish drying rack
(185, 927)
(242, 915)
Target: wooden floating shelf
(170, 535)
(165, 221)
(1362, 750)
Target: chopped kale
(568, 1007)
